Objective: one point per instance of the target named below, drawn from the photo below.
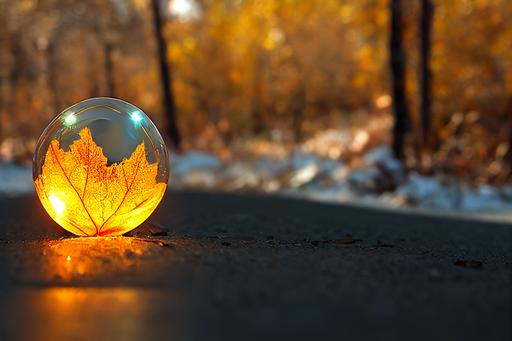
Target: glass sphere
(100, 167)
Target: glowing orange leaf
(89, 198)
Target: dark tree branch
(52, 76)
(397, 64)
(427, 11)
(165, 76)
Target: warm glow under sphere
(100, 167)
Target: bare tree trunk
(4, 98)
(15, 73)
(51, 76)
(108, 54)
(508, 115)
(258, 121)
(427, 11)
(397, 63)
(298, 106)
(298, 99)
(95, 79)
(165, 76)
(258, 126)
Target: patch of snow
(302, 160)
(378, 154)
(197, 179)
(270, 167)
(15, 179)
(379, 180)
(240, 175)
(382, 157)
(506, 191)
(420, 188)
(340, 173)
(485, 199)
(363, 179)
(336, 193)
(304, 175)
(193, 160)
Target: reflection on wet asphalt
(90, 289)
(73, 313)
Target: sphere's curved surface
(100, 167)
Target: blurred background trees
(222, 71)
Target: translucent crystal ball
(100, 167)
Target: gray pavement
(234, 267)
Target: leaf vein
(72, 186)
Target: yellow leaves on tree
(89, 198)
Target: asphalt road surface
(233, 267)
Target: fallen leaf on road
(346, 240)
(474, 264)
(157, 242)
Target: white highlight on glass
(136, 117)
(57, 204)
(70, 119)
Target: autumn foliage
(286, 68)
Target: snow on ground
(376, 180)
(15, 180)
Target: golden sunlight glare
(57, 204)
(183, 9)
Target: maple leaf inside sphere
(100, 167)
